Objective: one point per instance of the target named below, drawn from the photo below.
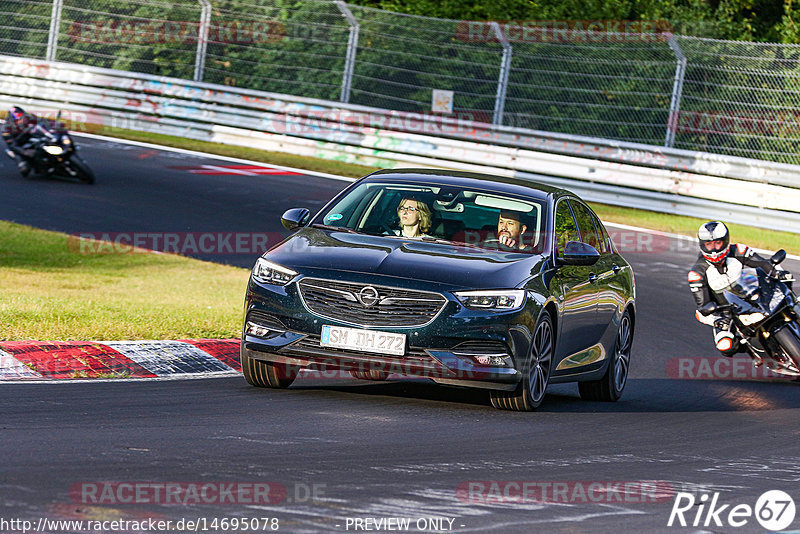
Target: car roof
(502, 184)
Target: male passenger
(510, 230)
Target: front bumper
(452, 349)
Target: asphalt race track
(334, 451)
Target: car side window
(585, 218)
(605, 243)
(565, 228)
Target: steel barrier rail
(603, 193)
(248, 118)
(338, 113)
(677, 182)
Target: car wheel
(266, 374)
(610, 387)
(369, 374)
(531, 390)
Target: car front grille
(370, 305)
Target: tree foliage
(752, 20)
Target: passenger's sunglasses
(412, 209)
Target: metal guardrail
(740, 190)
(631, 80)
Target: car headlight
(500, 299)
(53, 150)
(267, 272)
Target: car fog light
(257, 330)
(493, 360)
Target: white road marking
(214, 156)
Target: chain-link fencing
(638, 85)
(740, 98)
(25, 27)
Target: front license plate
(363, 340)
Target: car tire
(263, 374)
(610, 387)
(369, 374)
(531, 390)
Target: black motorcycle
(764, 313)
(54, 152)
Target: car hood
(448, 264)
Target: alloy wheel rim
(542, 350)
(622, 355)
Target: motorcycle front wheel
(81, 169)
(790, 344)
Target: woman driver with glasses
(415, 218)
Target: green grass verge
(274, 158)
(756, 237)
(49, 290)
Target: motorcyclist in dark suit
(17, 132)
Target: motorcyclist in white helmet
(717, 255)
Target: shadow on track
(641, 395)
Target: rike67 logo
(774, 510)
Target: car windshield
(430, 212)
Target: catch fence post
(55, 24)
(352, 46)
(202, 40)
(502, 80)
(677, 92)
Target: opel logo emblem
(368, 296)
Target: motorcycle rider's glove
(783, 276)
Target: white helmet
(710, 234)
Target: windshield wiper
(334, 228)
(431, 239)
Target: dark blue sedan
(465, 279)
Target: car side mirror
(709, 309)
(577, 253)
(778, 257)
(295, 218)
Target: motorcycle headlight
(500, 300)
(267, 272)
(53, 150)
